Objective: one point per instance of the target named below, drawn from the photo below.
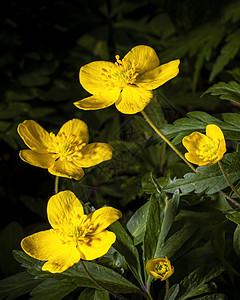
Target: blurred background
(43, 45)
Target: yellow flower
(73, 236)
(64, 154)
(159, 268)
(204, 150)
(128, 82)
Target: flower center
(208, 152)
(120, 75)
(73, 230)
(161, 268)
(65, 147)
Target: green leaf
(153, 227)
(198, 121)
(195, 283)
(173, 292)
(213, 297)
(209, 178)
(137, 223)
(234, 217)
(228, 52)
(236, 240)
(76, 274)
(52, 289)
(170, 212)
(19, 284)
(124, 245)
(226, 91)
(91, 294)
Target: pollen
(161, 268)
(121, 74)
(208, 152)
(65, 147)
(74, 230)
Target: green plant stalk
(56, 184)
(167, 141)
(230, 184)
(167, 289)
(100, 285)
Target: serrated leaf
(234, 217)
(198, 121)
(19, 284)
(195, 283)
(236, 240)
(226, 91)
(137, 223)
(52, 289)
(213, 297)
(228, 52)
(91, 294)
(76, 274)
(209, 178)
(124, 245)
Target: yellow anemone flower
(205, 150)
(159, 268)
(73, 236)
(128, 82)
(64, 154)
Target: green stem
(56, 184)
(167, 141)
(167, 289)
(230, 184)
(100, 285)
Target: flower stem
(230, 184)
(100, 285)
(167, 141)
(167, 289)
(56, 184)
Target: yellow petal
(34, 136)
(95, 153)
(133, 99)
(98, 245)
(37, 159)
(92, 76)
(99, 101)
(103, 217)
(63, 261)
(214, 132)
(193, 158)
(195, 141)
(158, 76)
(63, 206)
(45, 245)
(76, 127)
(65, 168)
(144, 58)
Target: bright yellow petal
(98, 245)
(45, 245)
(77, 128)
(63, 261)
(158, 76)
(103, 100)
(34, 136)
(214, 132)
(103, 217)
(195, 141)
(93, 154)
(193, 158)
(92, 76)
(37, 159)
(144, 58)
(133, 99)
(65, 168)
(63, 206)
(221, 149)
